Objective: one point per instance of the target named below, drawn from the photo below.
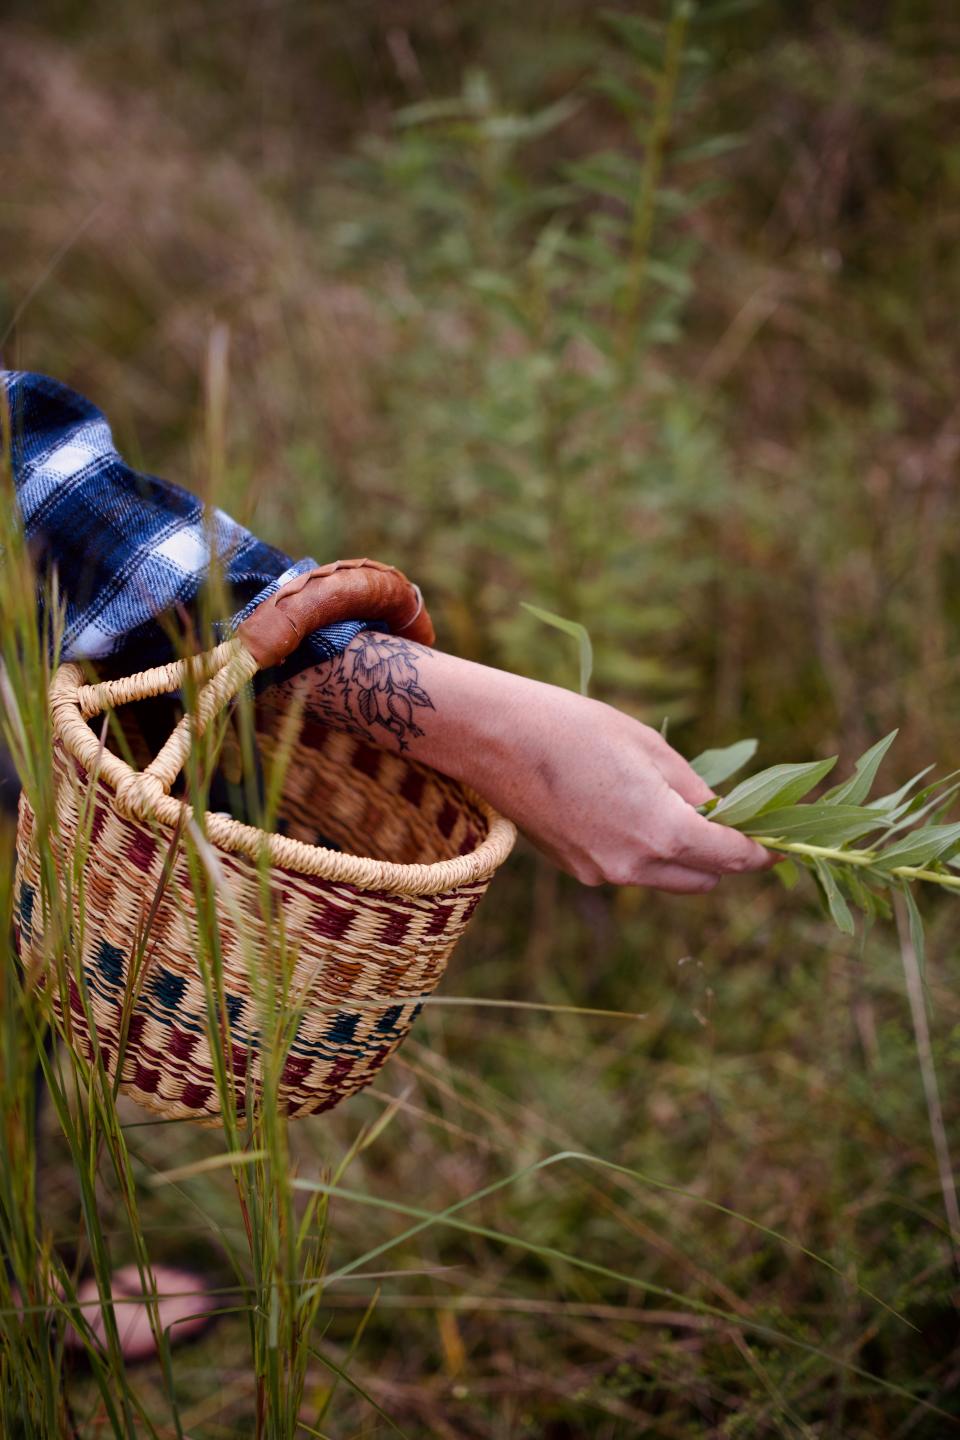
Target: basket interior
(338, 791)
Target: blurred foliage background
(652, 323)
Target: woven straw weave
(367, 928)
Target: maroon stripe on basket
(469, 843)
(181, 1045)
(447, 819)
(146, 1079)
(340, 1069)
(238, 1059)
(438, 924)
(99, 821)
(395, 929)
(330, 921)
(469, 908)
(141, 850)
(412, 787)
(295, 1069)
(194, 1095)
(135, 1032)
(313, 734)
(366, 760)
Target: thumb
(678, 773)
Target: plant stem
(864, 858)
(921, 1031)
(643, 215)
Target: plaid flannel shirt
(128, 547)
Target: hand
(610, 801)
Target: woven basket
(367, 928)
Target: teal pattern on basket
(162, 1001)
(23, 909)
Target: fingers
(676, 771)
(678, 880)
(701, 844)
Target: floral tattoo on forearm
(374, 684)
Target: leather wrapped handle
(343, 590)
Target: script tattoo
(374, 684)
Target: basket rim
(142, 798)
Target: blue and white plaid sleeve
(128, 548)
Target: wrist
(487, 728)
(475, 731)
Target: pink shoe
(184, 1304)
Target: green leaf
(492, 282)
(671, 277)
(709, 149)
(579, 633)
(920, 848)
(644, 38)
(872, 904)
(818, 824)
(895, 799)
(681, 202)
(430, 110)
(779, 786)
(787, 873)
(916, 810)
(626, 96)
(862, 897)
(715, 766)
(855, 790)
(528, 127)
(838, 907)
(605, 175)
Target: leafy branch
(908, 839)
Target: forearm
(604, 796)
(466, 720)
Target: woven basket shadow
(340, 945)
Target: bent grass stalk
(449, 1218)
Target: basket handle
(343, 590)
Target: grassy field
(653, 325)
